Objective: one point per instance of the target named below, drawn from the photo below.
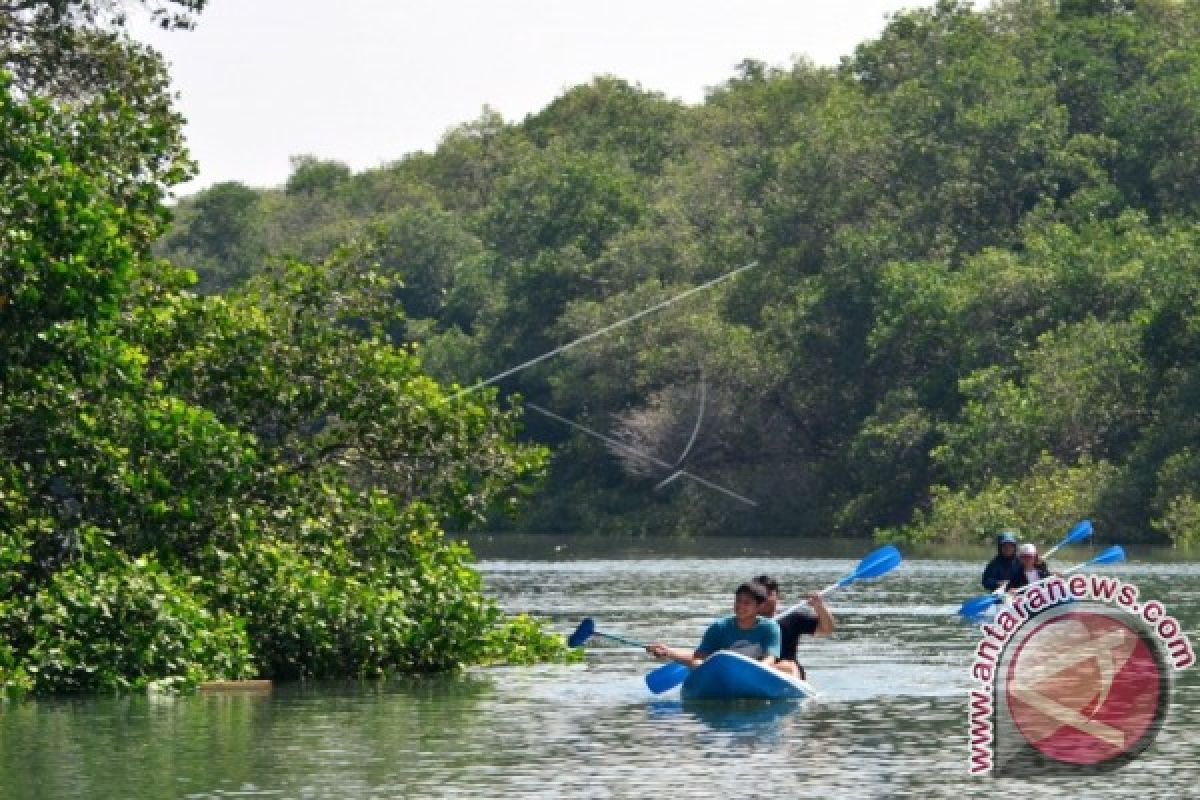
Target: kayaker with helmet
(1032, 569)
(796, 623)
(745, 631)
(1002, 570)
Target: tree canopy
(217, 486)
(974, 302)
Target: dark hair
(768, 583)
(752, 589)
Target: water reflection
(759, 720)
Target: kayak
(727, 675)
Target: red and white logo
(1086, 688)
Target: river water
(890, 720)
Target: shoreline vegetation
(590, 547)
(230, 446)
(199, 488)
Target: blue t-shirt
(724, 634)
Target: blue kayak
(727, 675)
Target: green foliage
(609, 116)
(977, 252)
(1178, 512)
(522, 640)
(117, 624)
(76, 49)
(440, 265)
(220, 238)
(72, 225)
(1081, 391)
(560, 198)
(310, 174)
(1181, 521)
(200, 487)
(1046, 499)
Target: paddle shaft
(1109, 556)
(621, 639)
(805, 601)
(1052, 550)
(874, 565)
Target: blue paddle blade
(1081, 531)
(666, 677)
(977, 605)
(1110, 556)
(582, 633)
(880, 562)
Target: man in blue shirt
(744, 632)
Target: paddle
(587, 629)
(1081, 531)
(878, 563)
(977, 605)
(1112, 555)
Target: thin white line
(638, 453)
(1075, 655)
(601, 332)
(699, 419)
(1069, 716)
(670, 478)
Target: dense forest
(965, 272)
(973, 305)
(210, 486)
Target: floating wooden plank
(235, 686)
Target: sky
(365, 82)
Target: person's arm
(772, 640)
(992, 577)
(1018, 581)
(825, 621)
(689, 658)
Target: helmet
(1027, 549)
(1006, 537)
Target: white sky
(367, 81)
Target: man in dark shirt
(1002, 570)
(802, 622)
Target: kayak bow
(727, 675)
